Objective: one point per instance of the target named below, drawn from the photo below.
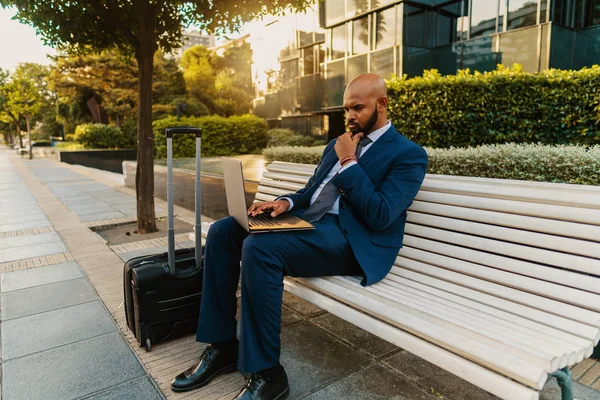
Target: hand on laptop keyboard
(276, 207)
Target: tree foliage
(141, 27)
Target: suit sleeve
(381, 206)
(299, 199)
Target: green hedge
(297, 154)
(532, 162)
(220, 136)
(101, 136)
(287, 137)
(503, 106)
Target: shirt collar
(376, 134)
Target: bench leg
(565, 381)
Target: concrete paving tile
(313, 358)
(301, 306)
(581, 368)
(40, 276)
(435, 379)
(580, 392)
(14, 218)
(98, 217)
(21, 303)
(97, 208)
(17, 226)
(71, 371)
(138, 389)
(28, 335)
(28, 240)
(372, 383)
(366, 341)
(25, 252)
(591, 376)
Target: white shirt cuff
(289, 200)
(345, 167)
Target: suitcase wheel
(148, 344)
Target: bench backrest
(531, 243)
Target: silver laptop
(238, 209)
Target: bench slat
(519, 267)
(486, 379)
(428, 328)
(549, 331)
(563, 213)
(569, 187)
(544, 353)
(542, 303)
(519, 236)
(508, 219)
(570, 261)
(558, 197)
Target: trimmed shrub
(502, 106)
(101, 136)
(576, 164)
(530, 162)
(70, 146)
(287, 137)
(296, 154)
(220, 136)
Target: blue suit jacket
(375, 194)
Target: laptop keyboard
(261, 220)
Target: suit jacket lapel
(378, 147)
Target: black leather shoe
(213, 362)
(259, 387)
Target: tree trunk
(10, 136)
(144, 178)
(19, 134)
(28, 120)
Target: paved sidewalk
(58, 339)
(64, 335)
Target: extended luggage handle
(169, 132)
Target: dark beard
(368, 125)
(371, 122)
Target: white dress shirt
(337, 168)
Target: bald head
(371, 83)
(365, 103)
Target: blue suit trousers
(266, 258)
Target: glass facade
(343, 38)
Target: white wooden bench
(498, 281)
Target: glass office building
(349, 37)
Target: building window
(382, 62)
(385, 28)
(308, 61)
(338, 42)
(483, 17)
(335, 83)
(360, 36)
(521, 13)
(289, 71)
(415, 23)
(356, 66)
(544, 12)
(355, 7)
(334, 11)
(592, 14)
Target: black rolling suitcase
(162, 291)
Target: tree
(5, 117)
(222, 83)
(110, 78)
(26, 92)
(139, 26)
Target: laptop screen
(235, 191)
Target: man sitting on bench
(357, 201)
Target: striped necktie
(330, 193)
